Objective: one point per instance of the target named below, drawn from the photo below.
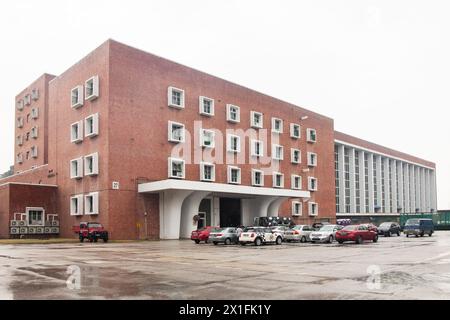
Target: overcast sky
(380, 68)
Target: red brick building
(147, 147)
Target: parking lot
(392, 268)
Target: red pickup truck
(91, 231)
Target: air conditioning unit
(31, 230)
(23, 230)
(14, 223)
(55, 223)
(22, 223)
(39, 230)
(47, 230)
(54, 230)
(14, 230)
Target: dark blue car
(418, 227)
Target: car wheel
(389, 234)
(91, 240)
(340, 241)
(206, 240)
(359, 240)
(422, 234)
(330, 239)
(313, 242)
(279, 240)
(303, 240)
(227, 241)
(215, 243)
(242, 243)
(430, 234)
(407, 235)
(105, 240)
(375, 239)
(258, 242)
(398, 234)
(197, 241)
(81, 239)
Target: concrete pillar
(380, 194)
(189, 209)
(171, 202)
(387, 197)
(418, 187)
(412, 188)
(371, 185)
(407, 190)
(341, 178)
(352, 181)
(433, 191)
(257, 207)
(423, 195)
(400, 186)
(362, 183)
(394, 193)
(272, 210)
(428, 189)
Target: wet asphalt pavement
(393, 268)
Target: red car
(201, 234)
(357, 233)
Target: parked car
(326, 234)
(389, 228)
(371, 226)
(419, 227)
(299, 233)
(92, 231)
(201, 234)
(356, 233)
(281, 230)
(318, 225)
(224, 235)
(260, 235)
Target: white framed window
(175, 97)
(20, 105)
(312, 184)
(34, 151)
(233, 143)
(206, 106)
(256, 119)
(92, 88)
(295, 131)
(233, 113)
(277, 152)
(76, 205)
(91, 203)
(277, 125)
(257, 178)
(257, 148)
(296, 156)
(91, 126)
(19, 140)
(27, 99)
(91, 164)
(313, 208)
(297, 209)
(176, 168)
(34, 132)
(207, 138)
(35, 94)
(296, 182)
(34, 113)
(176, 132)
(312, 159)
(76, 97)
(311, 135)
(19, 158)
(278, 180)
(234, 175)
(76, 132)
(19, 122)
(76, 168)
(207, 171)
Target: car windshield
(385, 224)
(327, 228)
(350, 228)
(412, 222)
(297, 228)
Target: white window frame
(34, 152)
(170, 131)
(201, 106)
(95, 126)
(293, 125)
(20, 105)
(79, 199)
(76, 164)
(294, 177)
(294, 206)
(253, 148)
(95, 88)
(274, 121)
(35, 94)
(19, 158)
(229, 144)
(34, 113)
(310, 188)
(202, 171)
(20, 122)
(293, 151)
(230, 168)
(253, 123)
(312, 163)
(309, 132)
(34, 132)
(238, 111)
(27, 99)
(95, 166)
(170, 101)
(170, 164)
(274, 152)
(80, 101)
(95, 203)
(254, 171)
(274, 180)
(310, 209)
(202, 138)
(79, 131)
(20, 140)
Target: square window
(92, 88)
(76, 205)
(257, 178)
(206, 106)
(296, 182)
(233, 143)
(91, 126)
(77, 97)
(91, 203)
(91, 165)
(312, 159)
(311, 135)
(176, 132)
(175, 98)
(233, 113)
(76, 168)
(76, 132)
(297, 208)
(256, 119)
(176, 168)
(207, 138)
(277, 125)
(277, 152)
(257, 148)
(313, 208)
(312, 184)
(234, 175)
(295, 131)
(278, 180)
(296, 156)
(207, 171)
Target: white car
(326, 234)
(300, 233)
(259, 236)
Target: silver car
(326, 234)
(224, 235)
(281, 230)
(299, 233)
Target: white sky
(381, 69)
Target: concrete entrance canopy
(179, 201)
